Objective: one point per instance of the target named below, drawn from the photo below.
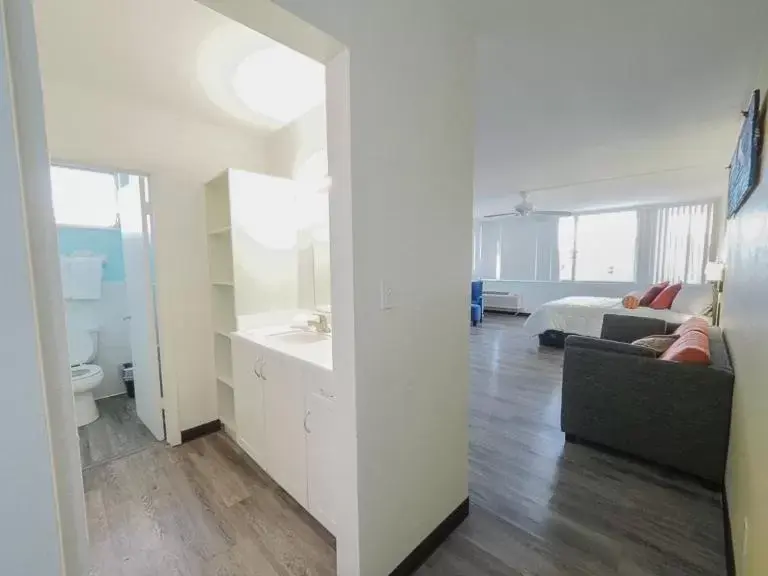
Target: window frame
(70, 166)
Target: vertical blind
(683, 236)
(648, 244)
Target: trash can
(126, 375)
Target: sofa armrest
(623, 328)
(597, 344)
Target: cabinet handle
(306, 416)
(258, 368)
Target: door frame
(22, 69)
(170, 396)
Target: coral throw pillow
(630, 301)
(665, 298)
(696, 324)
(651, 293)
(691, 348)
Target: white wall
(179, 154)
(295, 151)
(42, 509)
(290, 147)
(744, 314)
(410, 139)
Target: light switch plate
(387, 300)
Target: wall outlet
(745, 540)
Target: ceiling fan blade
(551, 213)
(503, 214)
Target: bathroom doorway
(106, 254)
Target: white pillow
(693, 299)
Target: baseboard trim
(433, 541)
(202, 430)
(730, 559)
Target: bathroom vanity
(284, 412)
(267, 254)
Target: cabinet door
(321, 460)
(249, 399)
(284, 417)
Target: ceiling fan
(526, 208)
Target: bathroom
(188, 268)
(99, 297)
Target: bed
(583, 315)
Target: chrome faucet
(320, 323)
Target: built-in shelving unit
(220, 262)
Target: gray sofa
(621, 396)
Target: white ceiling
(173, 54)
(593, 90)
(599, 103)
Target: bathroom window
(84, 198)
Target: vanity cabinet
(285, 420)
(284, 411)
(249, 400)
(322, 448)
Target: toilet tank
(82, 346)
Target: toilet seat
(85, 377)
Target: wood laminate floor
(118, 432)
(537, 508)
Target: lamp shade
(713, 272)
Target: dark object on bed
(621, 396)
(553, 339)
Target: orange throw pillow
(630, 301)
(664, 300)
(691, 348)
(697, 324)
(651, 293)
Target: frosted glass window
(605, 247)
(84, 197)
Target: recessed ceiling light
(280, 83)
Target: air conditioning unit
(502, 301)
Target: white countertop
(291, 341)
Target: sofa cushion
(665, 298)
(718, 350)
(691, 348)
(651, 293)
(659, 343)
(696, 324)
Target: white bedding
(584, 315)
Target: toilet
(85, 377)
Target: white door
(133, 203)
(321, 460)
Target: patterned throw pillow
(651, 293)
(658, 343)
(630, 301)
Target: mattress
(584, 315)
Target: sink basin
(301, 336)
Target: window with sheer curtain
(598, 247)
(647, 244)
